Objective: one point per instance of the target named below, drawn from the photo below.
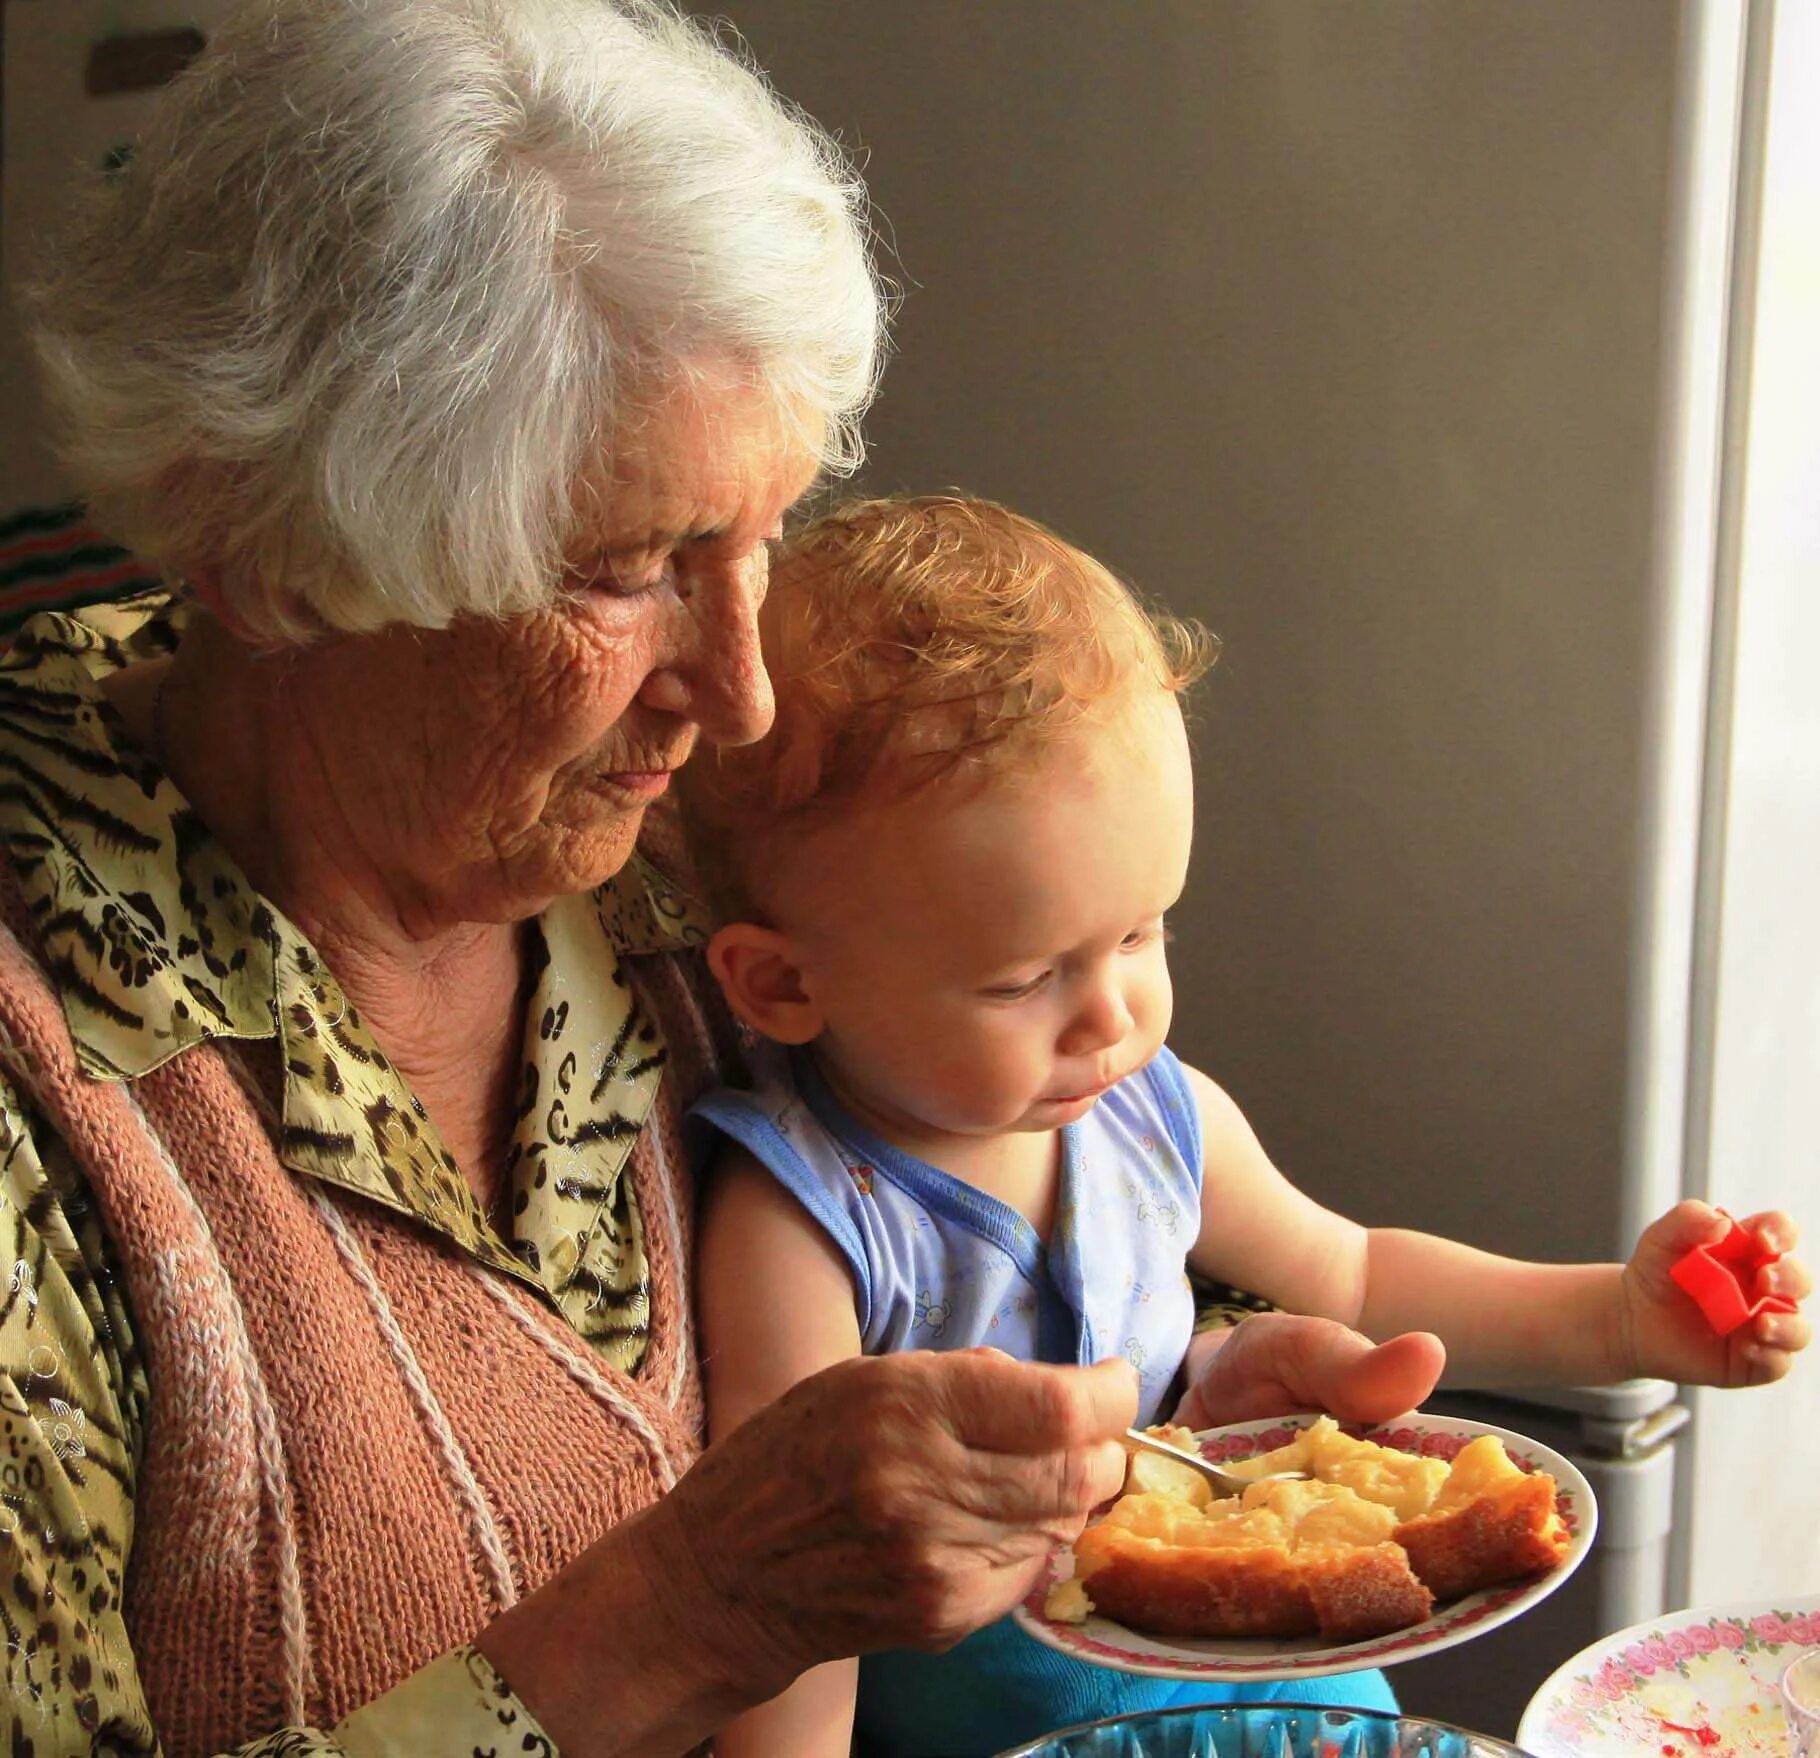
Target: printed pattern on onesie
(937, 1264)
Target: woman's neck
(448, 1012)
(440, 997)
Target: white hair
(369, 299)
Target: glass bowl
(1265, 1730)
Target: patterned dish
(1696, 1682)
(1280, 1730)
(1238, 1660)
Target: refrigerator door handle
(1634, 1439)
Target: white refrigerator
(1453, 360)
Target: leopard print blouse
(156, 942)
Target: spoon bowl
(1227, 1483)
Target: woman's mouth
(630, 774)
(643, 784)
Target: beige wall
(1336, 325)
(54, 134)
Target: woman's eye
(1016, 991)
(635, 582)
(623, 579)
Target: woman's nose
(1098, 1022)
(716, 674)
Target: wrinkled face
(523, 754)
(995, 962)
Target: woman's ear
(759, 973)
(203, 587)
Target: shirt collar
(156, 941)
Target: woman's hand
(901, 1501)
(1277, 1363)
(1664, 1333)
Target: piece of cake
(1284, 1559)
(1489, 1523)
(1366, 1547)
(1404, 1482)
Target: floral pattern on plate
(1240, 1660)
(1700, 1683)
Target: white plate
(1704, 1683)
(1238, 1660)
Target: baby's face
(995, 962)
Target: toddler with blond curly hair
(943, 880)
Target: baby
(944, 879)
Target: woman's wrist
(628, 1652)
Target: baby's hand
(1667, 1337)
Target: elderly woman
(460, 357)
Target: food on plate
(1365, 1547)
(1490, 1522)
(1284, 1559)
(1068, 1602)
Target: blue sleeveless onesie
(937, 1264)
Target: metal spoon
(1226, 1482)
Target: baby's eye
(1144, 936)
(1016, 991)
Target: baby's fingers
(1773, 1230)
(1788, 1277)
(1763, 1367)
(1766, 1352)
(1783, 1333)
(1686, 1225)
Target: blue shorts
(999, 1688)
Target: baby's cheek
(1155, 1008)
(920, 1069)
(994, 1080)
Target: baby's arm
(775, 1305)
(1503, 1321)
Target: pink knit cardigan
(361, 1445)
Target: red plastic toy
(1720, 1277)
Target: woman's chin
(589, 860)
(554, 861)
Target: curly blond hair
(913, 641)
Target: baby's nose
(1102, 1020)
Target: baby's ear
(758, 972)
